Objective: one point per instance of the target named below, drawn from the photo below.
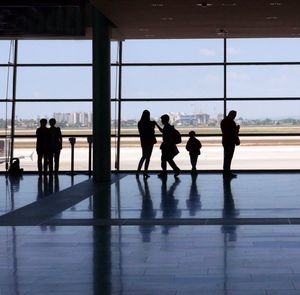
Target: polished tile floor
(268, 195)
(17, 192)
(154, 256)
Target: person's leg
(148, 153)
(174, 166)
(56, 161)
(50, 161)
(163, 165)
(141, 162)
(40, 162)
(194, 161)
(228, 155)
(46, 162)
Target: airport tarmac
(211, 158)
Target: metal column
(101, 98)
(14, 95)
(119, 105)
(225, 77)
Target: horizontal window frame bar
(152, 99)
(160, 135)
(261, 63)
(208, 99)
(49, 100)
(48, 65)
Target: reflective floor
(166, 252)
(17, 192)
(204, 196)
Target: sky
(160, 82)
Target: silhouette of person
(42, 135)
(193, 203)
(147, 211)
(147, 138)
(169, 203)
(55, 145)
(230, 139)
(193, 146)
(168, 147)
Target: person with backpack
(170, 137)
(193, 146)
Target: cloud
(233, 51)
(207, 52)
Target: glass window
(172, 82)
(114, 50)
(267, 116)
(55, 51)
(263, 49)
(211, 154)
(202, 116)
(267, 152)
(6, 82)
(73, 118)
(187, 50)
(54, 82)
(7, 51)
(263, 81)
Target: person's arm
(159, 128)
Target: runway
(211, 158)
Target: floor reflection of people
(46, 187)
(147, 211)
(229, 230)
(193, 203)
(229, 210)
(169, 203)
(14, 181)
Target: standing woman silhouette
(147, 137)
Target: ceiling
(155, 19)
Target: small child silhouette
(193, 146)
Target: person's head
(52, 122)
(232, 114)
(145, 116)
(43, 122)
(192, 133)
(165, 119)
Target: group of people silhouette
(48, 146)
(171, 137)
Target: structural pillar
(101, 98)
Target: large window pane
(5, 131)
(210, 158)
(6, 49)
(267, 116)
(54, 82)
(201, 116)
(263, 49)
(201, 50)
(69, 116)
(261, 152)
(6, 81)
(263, 81)
(114, 52)
(55, 51)
(160, 82)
